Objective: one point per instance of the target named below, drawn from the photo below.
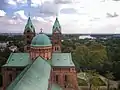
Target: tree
(109, 76)
(81, 56)
(90, 57)
(92, 78)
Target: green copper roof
(18, 59)
(56, 87)
(41, 40)
(29, 25)
(36, 77)
(56, 25)
(62, 59)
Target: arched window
(28, 48)
(28, 31)
(56, 43)
(57, 48)
(66, 78)
(10, 77)
(56, 78)
(28, 36)
(28, 42)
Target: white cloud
(39, 19)
(63, 1)
(15, 2)
(11, 2)
(49, 7)
(20, 14)
(2, 13)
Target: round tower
(41, 46)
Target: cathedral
(42, 66)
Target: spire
(29, 24)
(56, 25)
(29, 14)
(29, 19)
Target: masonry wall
(65, 77)
(9, 74)
(28, 36)
(44, 52)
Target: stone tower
(56, 36)
(29, 33)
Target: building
(86, 37)
(3, 45)
(42, 66)
(13, 48)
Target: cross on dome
(41, 30)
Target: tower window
(28, 48)
(56, 48)
(28, 36)
(28, 42)
(28, 31)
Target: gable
(18, 60)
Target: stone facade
(44, 52)
(28, 36)
(9, 74)
(65, 77)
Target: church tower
(29, 33)
(56, 36)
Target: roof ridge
(9, 58)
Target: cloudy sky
(75, 16)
